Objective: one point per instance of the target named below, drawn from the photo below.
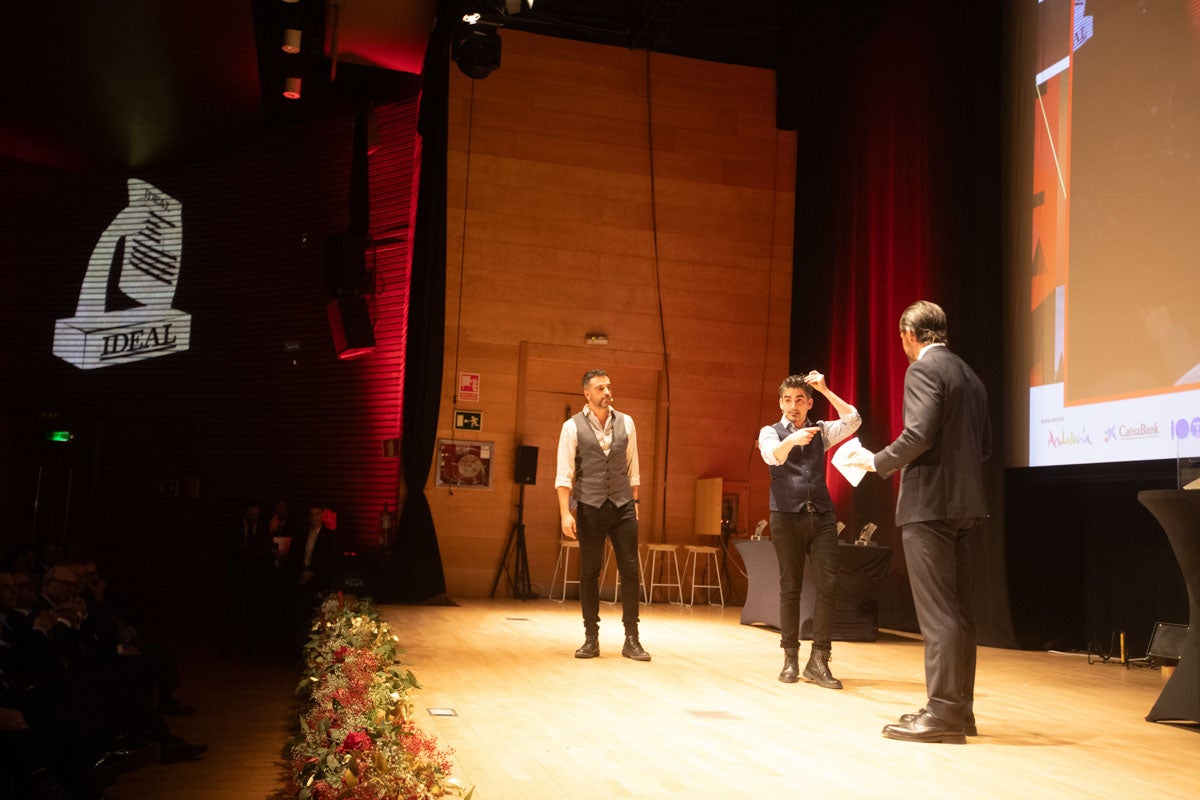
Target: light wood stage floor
(707, 717)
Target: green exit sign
(59, 436)
(468, 420)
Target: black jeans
(797, 535)
(619, 524)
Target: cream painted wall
(647, 197)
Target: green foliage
(358, 739)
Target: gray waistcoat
(599, 477)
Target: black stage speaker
(346, 264)
(350, 324)
(1166, 643)
(526, 466)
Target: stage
(708, 719)
(705, 719)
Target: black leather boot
(633, 649)
(590, 647)
(791, 665)
(817, 670)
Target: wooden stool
(565, 546)
(670, 561)
(616, 596)
(711, 567)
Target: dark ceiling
(134, 84)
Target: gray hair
(926, 321)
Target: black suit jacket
(945, 440)
(324, 558)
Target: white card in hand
(841, 460)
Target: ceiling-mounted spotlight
(291, 40)
(291, 87)
(476, 50)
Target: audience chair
(565, 546)
(669, 566)
(712, 567)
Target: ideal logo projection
(138, 256)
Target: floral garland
(358, 739)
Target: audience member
(248, 556)
(81, 699)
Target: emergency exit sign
(468, 420)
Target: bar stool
(616, 596)
(711, 567)
(565, 546)
(670, 561)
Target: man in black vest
(598, 470)
(940, 456)
(803, 520)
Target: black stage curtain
(898, 198)
(417, 567)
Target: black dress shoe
(925, 727)
(968, 727)
(174, 750)
(173, 707)
(126, 759)
(589, 649)
(633, 649)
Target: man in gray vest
(803, 520)
(598, 470)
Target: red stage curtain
(897, 199)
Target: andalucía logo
(1125, 432)
(1069, 439)
(140, 249)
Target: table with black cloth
(1178, 511)
(861, 570)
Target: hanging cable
(662, 326)
(762, 384)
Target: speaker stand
(518, 578)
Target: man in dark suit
(939, 454)
(312, 568)
(313, 555)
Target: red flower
(356, 740)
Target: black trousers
(939, 570)
(619, 525)
(797, 535)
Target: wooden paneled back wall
(645, 197)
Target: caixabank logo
(1127, 432)
(139, 252)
